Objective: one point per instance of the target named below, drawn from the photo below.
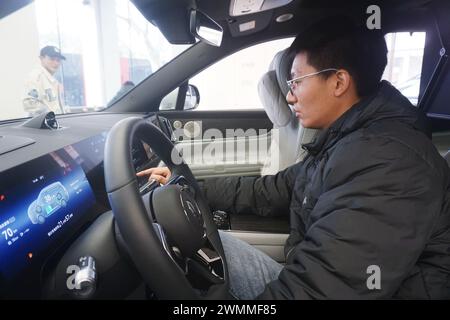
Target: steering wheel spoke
(173, 252)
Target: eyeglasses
(293, 82)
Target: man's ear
(342, 82)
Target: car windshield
(71, 56)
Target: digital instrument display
(39, 201)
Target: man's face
(51, 63)
(312, 97)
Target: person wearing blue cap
(43, 92)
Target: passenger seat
(288, 135)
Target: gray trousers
(249, 269)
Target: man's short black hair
(337, 42)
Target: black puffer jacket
(372, 191)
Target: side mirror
(174, 98)
(192, 98)
(205, 29)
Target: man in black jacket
(369, 205)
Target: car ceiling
(172, 17)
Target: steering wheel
(173, 241)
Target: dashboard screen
(39, 201)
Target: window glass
(108, 46)
(404, 68)
(232, 83)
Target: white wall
(17, 59)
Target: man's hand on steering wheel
(160, 174)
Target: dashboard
(46, 202)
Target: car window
(232, 83)
(108, 48)
(404, 68)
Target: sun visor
(171, 18)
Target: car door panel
(205, 142)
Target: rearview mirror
(205, 29)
